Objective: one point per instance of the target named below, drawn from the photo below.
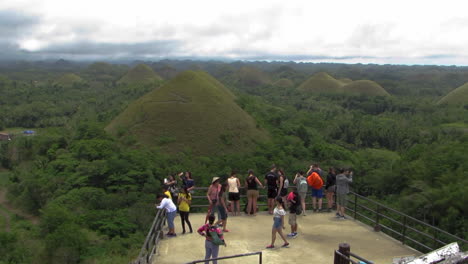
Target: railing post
(260, 258)
(355, 206)
(403, 232)
(377, 227)
(345, 249)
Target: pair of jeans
(211, 251)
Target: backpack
(303, 185)
(214, 235)
(314, 180)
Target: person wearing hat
(213, 196)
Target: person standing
(302, 188)
(278, 223)
(271, 181)
(330, 188)
(184, 201)
(317, 192)
(222, 208)
(212, 196)
(234, 195)
(213, 238)
(251, 184)
(294, 210)
(283, 185)
(187, 181)
(171, 210)
(343, 179)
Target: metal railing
(259, 253)
(409, 230)
(343, 256)
(155, 234)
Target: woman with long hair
(330, 188)
(251, 184)
(212, 195)
(184, 201)
(278, 223)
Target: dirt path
(4, 202)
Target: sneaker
(294, 235)
(172, 235)
(337, 215)
(343, 217)
(290, 235)
(285, 245)
(270, 246)
(315, 210)
(304, 214)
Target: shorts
(277, 222)
(331, 188)
(317, 193)
(272, 193)
(234, 196)
(292, 219)
(341, 199)
(303, 195)
(283, 192)
(170, 219)
(222, 214)
(252, 194)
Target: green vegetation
(140, 74)
(459, 96)
(321, 82)
(364, 87)
(196, 111)
(93, 191)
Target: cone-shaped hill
(140, 74)
(283, 82)
(68, 79)
(251, 76)
(321, 82)
(458, 96)
(194, 111)
(365, 87)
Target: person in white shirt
(171, 210)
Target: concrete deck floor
(319, 235)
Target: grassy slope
(457, 96)
(321, 82)
(140, 74)
(192, 110)
(365, 87)
(285, 83)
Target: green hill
(365, 87)
(321, 82)
(251, 76)
(459, 96)
(285, 83)
(140, 74)
(68, 80)
(193, 111)
(345, 80)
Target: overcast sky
(357, 31)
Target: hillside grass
(140, 74)
(459, 96)
(195, 112)
(321, 82)
(365, 87)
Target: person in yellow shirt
(167, 192)
(184, 201)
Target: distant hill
(140, 74)
(321, 82)
(251, 76)
(68, 80)
(284, 83)
(345, 80)
(365, 87)
(193, 111)
(459, 96)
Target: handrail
(148, 250)
(259, 253)
(343, 255)
(424, 238)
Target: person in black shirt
(271, 181)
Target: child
(278, 223)
(294, 206)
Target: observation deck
(319, 236)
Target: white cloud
(368, 31)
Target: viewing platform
(319, 236)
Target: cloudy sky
(358, 31)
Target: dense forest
(94, 191)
